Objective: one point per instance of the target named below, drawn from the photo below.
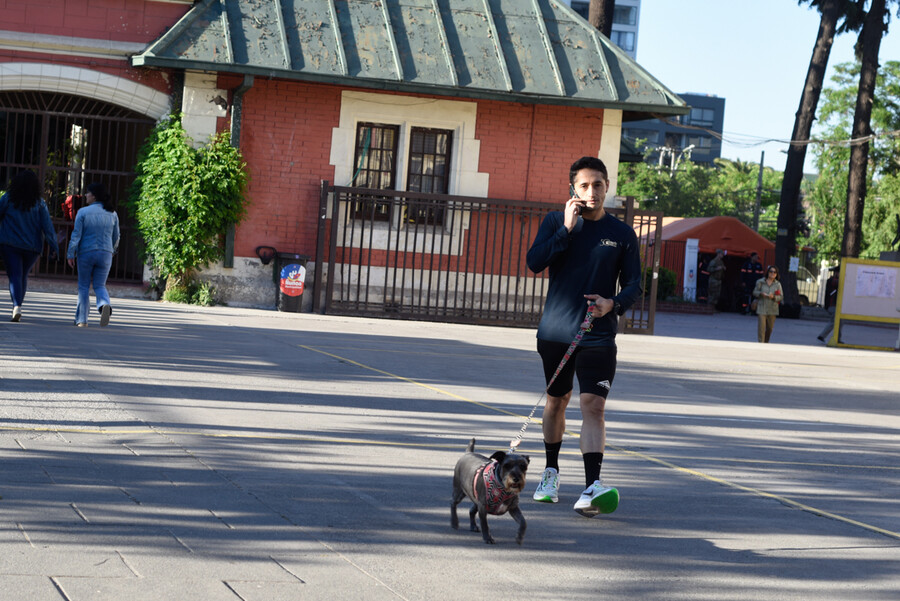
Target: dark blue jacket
(26, 229)
(593, 259)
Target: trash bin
(289, 273)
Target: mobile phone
(572, 195)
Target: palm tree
(600, 15)
(867, 48)
(831, 11)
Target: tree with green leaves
(827, 202)
(694, 190)
(184, 198)
(873, 30)
(836, 16)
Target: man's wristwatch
(617, 308)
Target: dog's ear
(499, 456)
(527, 459)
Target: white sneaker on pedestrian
(597, 499)
(548, 489)
(105, 312)
(17, 313)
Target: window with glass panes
(428, 172)
(376, 153)
(625, 15)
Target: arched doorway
(71, 141)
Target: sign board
(868, 293)
(691, 248)
(293, 279)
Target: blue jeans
(18, 263)
(93, 268)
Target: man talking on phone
(594, 263)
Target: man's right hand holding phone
(573, 209)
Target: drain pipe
(237, 113)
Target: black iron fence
(439, 257)
(71, 141)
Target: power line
(750, 141)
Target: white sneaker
(597, 499)
(17, 313)
(548, 490)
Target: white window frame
(408, 112)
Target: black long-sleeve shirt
(591, 259)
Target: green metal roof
(534, 51)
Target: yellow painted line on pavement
(455, 447)
(762, 493)
(644, 456)
(409, 380)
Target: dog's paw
(489, 540)
(475, 528)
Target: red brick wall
(121, 20)
(528, 149)
(118, 20)
(286, 141)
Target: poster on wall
(877, 282)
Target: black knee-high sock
(592, 464)
(552, 451)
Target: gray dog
(493, 484)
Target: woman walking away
(768, 293)
(94, 241)
(24, 225)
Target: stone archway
(74, 130)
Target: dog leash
(582, 330)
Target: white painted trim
(610, 147)
(68, 45)
(202, 104)
(408, 112)
(84, 82)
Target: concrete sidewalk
(238, 454)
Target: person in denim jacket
(24, 225)
(94, 241)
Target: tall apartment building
(625, 22)
(697, 135)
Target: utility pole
(762, 158)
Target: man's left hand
(601, 306)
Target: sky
(756, 58)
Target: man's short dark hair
(587, 163)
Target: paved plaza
(239, 454)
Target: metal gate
(409, 255)
(71, 141)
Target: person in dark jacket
(24, 226)
(588, 253)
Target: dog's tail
(471, 447)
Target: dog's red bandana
(496, 497)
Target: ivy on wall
(183, 200)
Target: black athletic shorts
(595, 367)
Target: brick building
(453, 99)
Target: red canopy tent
(727, 233)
